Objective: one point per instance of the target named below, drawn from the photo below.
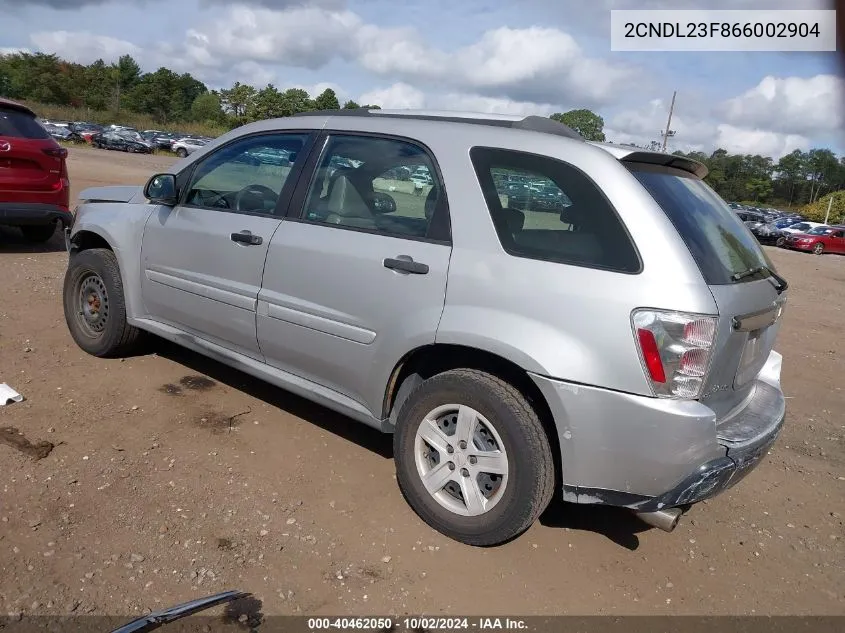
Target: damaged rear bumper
(649, 454)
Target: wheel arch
(86, 239)
(428, 360)
(89, 235)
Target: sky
(504, 56)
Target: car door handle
(245, 237)
(406, 264)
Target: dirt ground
(172, 477)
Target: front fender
(121, 226)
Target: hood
(111, 194)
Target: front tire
(818, 249)
(780, 241)
(181, 152)
(38, 233)
(472, 457)
(94, 305)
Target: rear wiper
(780, 283)
(748, 273)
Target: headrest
(430, 203)
(513, 219)
(345, 200)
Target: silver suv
(547, 317)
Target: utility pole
(668, 131)
(829, 204)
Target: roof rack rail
(532, 123)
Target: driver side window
(246, 176)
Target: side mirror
(161, 189)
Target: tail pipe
(667, 520)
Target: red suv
(34, 185)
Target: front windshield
(801, 226)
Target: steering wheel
(256, 195)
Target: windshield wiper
(157, 619)
(779, 282)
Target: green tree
(350, 105)
(759, 188)
(266, 104)
(206, 108)
(822, 167)
(587, 123)
(126, 74)
(164, 95)
(98, 86)
(294, 101)
(237, 99)
(789, 169)
(326, 100)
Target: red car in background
(34, 184)
(818, 240)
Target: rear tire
(780, 241)
(181, 152)
(94, 305)
(38, 233)
(506, 437)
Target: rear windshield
(720, 243)
(16, 124)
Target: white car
(801, 227)
(185, 146)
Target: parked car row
(123, 138)
(791, 230)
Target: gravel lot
(171, 477)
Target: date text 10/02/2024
(418, 623)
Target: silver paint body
(314, 311)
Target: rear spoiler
(668, 160)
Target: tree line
(164, 95)
(171, 98)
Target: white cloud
(402, 96)
(532, 64)
(318, 88)
(532, 70)
(794, 105)
(82, 47)
(738, 125)
(12, 50)
(478, 103)
(738, 140)
(397, 96)
(307, 37)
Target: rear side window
(720, 243)
(16, 124)
(548, 210)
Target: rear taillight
(55, 152)
(675, 350)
